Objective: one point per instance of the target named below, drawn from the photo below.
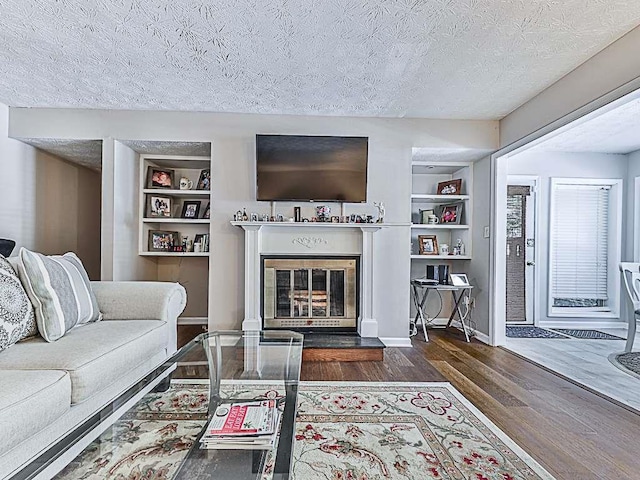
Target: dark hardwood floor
(573, 433)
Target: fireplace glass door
(309, 293)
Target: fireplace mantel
(309, 238)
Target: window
(585, 239)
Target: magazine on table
(250, 425)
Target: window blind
(580, 239)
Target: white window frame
(614, 254)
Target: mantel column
(367, 324)
(252, 249)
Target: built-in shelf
(176, 220)
(177, 193)
(193, 321)
(437, 226)
(174, 254)
(440, 257)
(417, 197)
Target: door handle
(531, 264)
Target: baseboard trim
(396, 341)
(482, 337)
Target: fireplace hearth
(310, 293)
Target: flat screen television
(311, 168)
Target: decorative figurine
(245, 217)
(380, 207)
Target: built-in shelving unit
(189, 168)
(189, 268)
(426, 175)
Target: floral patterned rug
(361, 431)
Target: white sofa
(48, 389)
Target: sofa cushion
(17, 319)
(60, 291)
(95, 355)
(29, 401)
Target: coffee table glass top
(158, 435)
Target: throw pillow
(60, 291)
(17, 319)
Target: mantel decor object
(323, 213)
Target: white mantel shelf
(361, 226)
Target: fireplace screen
(309, 293)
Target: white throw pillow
(17, 319)
(60, 291)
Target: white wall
(479, 266)
(546, 165)
(233, 182)
(613, 67)
(632, 252)
(47, 204)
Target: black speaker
(440, 273)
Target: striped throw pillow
(60, 291)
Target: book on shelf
(243, 425)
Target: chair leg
(631, 334)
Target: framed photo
(428, 245)
(159, 206)
(253, 217)
(450, 187)
(335, 219)
(162, 241)
(451, 214)
(204, 183)
(459, 280)
(207, 211)
(159, 178)
(425, 214)
(190, 209)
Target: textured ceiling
(198, 149)
(431, 154)
(615, 130)
(87, 153)
(417, 58)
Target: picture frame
(159, 207)
(207, 211)
(450, 187)
(162, 240)
(451, 214)
(428, 245)
(253, 217)
(204, 182)
(425, 214)
(160, 178)
(459, 280)
(190, 209)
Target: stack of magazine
(243, 425)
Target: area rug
(531, 332)
(627, 362)
(587, 334)
(361, 431)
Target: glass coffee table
(158, 435)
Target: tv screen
(311, 168)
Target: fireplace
(310, 293)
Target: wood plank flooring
(574, 434)
(585, 361)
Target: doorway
(521, 250)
